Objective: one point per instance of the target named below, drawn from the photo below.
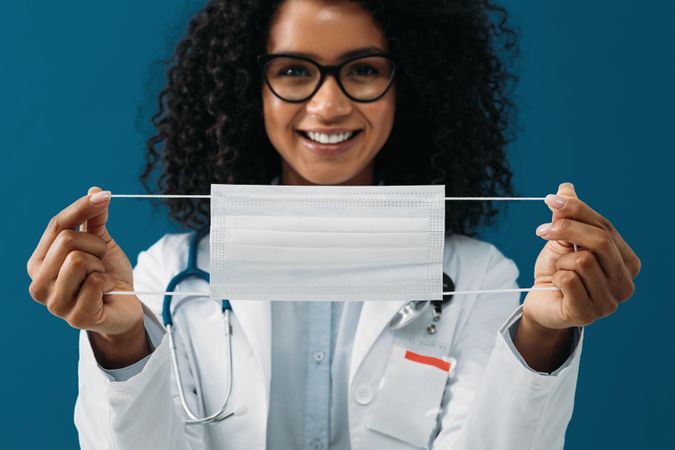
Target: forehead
(323, 29)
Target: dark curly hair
(453, 115)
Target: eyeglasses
(296, 79)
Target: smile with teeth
(335, 138)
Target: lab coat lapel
(255, 318)
(375, 317)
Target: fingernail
(543, 229)
(555, 201)
(99, 197)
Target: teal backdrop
(78, 82)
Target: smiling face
(305, 134)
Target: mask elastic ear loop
(208, 196)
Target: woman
(421, 97)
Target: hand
(71, 270)
(594, 280)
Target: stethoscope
(192, 271)
(403, 317)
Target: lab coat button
(363, 395)
(316, 444)
(318, 356)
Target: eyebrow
(350, 54)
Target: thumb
(96, 225)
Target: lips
(327, 150)
(313, 135)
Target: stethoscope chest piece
(408, 313)
(415, 308)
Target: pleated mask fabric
(327, 243)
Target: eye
(364, 70)
(293, 71)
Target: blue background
(77, 85)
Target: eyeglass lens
(296, 79)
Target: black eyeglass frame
(333, 70)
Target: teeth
(329, 138)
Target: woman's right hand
(71, 270)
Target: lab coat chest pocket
(409, 397)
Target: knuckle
(76, 260)
(77, 320)
(584, 260)
(562, 225)
(629, 289)
(605, 223)
(635, 266)
(37, 291)
(574, 206)
(611, 307)
(66, 239)
(587, 316)
(30, 268)
(569, 278)
(588, 319)
(605, 240)
(54, 224)
(96, 279)
(55, 307)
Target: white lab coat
(493, 401)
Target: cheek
(278, 118)
(381, 116)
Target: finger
(595, 239)
(633, 263)
(576, 308)
(565, 191)
(83, 209)
(67, 241)
(88, 310)
(569, 206)
(97, 224)
(586, 266)
(73, 272)
(574, 208)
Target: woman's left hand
(593, 280)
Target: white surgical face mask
(327, 243)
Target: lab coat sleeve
(140, 411)
(495, 400)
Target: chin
(328, 177)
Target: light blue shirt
(311, 348)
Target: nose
(329, 102)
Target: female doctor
(420, 96)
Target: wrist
(542, 331)
(114, 351)
(544, 349)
